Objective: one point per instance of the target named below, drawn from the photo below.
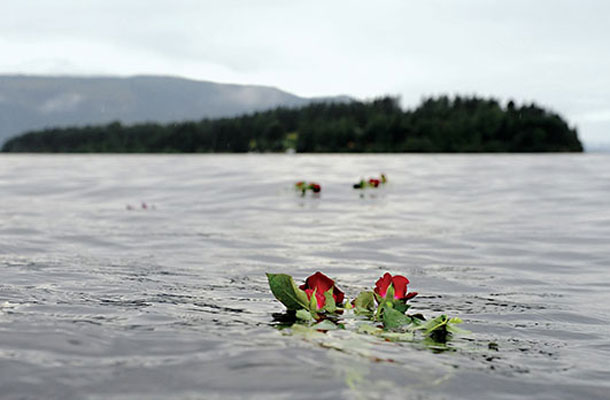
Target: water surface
(101, 302)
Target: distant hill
(37, 102)
(443, 124)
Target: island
(439, 124)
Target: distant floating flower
(304, 187)
(143, 206)
(372, 182)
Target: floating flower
(399, 284)
(372, 182)
(317, 305)
(315, 187)
(318, 284)
(304, 187)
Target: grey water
(101, 298)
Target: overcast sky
(553, 52)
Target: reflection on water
(99, 301)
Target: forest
(441, 124)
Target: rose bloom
(398, 282)
(321, 284)
(315, 187)
(374, 182)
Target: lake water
(101, 302)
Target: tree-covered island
(443, 124)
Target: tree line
(441, 124)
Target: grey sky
(553, 52)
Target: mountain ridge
(32, 102)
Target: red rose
(315, 187)
(374, 182)
(398, 282)
(321, 284)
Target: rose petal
(338, 295)
(400, 286)
(410, 295)
(320, 299)
(382, 284)
(318, 281)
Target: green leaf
(365, 301)
(393, 319)
(456, 330)
(286, 291)
(369, 329)
(438, 332)
(389, 295)
(398, 336)
(417, 319)
(325, 325)
(306, 332)
(313, 302)
(441, 328)
(329, 301)
(401, 306)
(304, 315)
(438, 323)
